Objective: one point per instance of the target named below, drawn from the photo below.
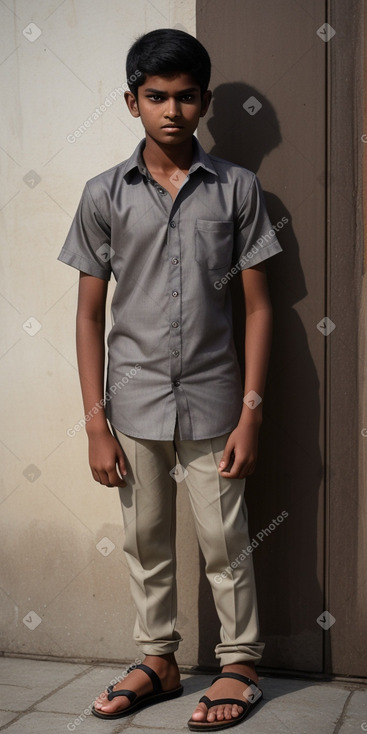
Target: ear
(205, 102)
(132, 104)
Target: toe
(224, 713)
(228, 712)
(102, 703)
(211, 715)
(101, 700)
(216, 713)
(235, 711)
(200, 713)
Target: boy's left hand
(241, 448)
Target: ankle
(247, 668)
(163, 661)
(241, 664)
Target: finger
(226, 458)
(243, 470)
(122, 482)
(104, 475)
(238, 470)
(95, 475)
(122, 465)
(120, 470)
(114, 478)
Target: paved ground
(39, 697)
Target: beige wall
(60, 596)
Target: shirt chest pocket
(213, 243)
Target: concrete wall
(62, 593)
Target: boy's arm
(104, 450)
(241, 446)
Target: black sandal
(157, 695)
(248, 703)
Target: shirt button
(172, 224)
(175, 294)
(175, 324)
(161, 191)
(175, 261)
(177, 383)
(175, 353)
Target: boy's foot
(225, 688)
(166, 668)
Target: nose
(173, 108)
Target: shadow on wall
(289, 474)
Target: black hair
(166, 51)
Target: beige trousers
(149, 511)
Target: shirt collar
(199, 160)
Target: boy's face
(169, 107)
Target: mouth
(172, 127)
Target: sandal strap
(131, 695)
(157, 686)
(237, 676)
(217, 701)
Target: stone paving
(39, 697)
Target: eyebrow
(182, 91)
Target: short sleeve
(88, 244)
(254, 236)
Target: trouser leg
(149, 511)
(220, 516)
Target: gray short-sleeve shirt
(171, 350)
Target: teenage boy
(174, 225)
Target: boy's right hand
(105, 457)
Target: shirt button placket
(175, 287)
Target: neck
(167, 158)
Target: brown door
(271, 113)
